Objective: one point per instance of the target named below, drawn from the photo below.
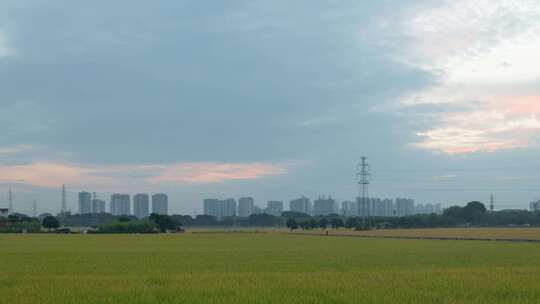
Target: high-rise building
(141, 205)
(324, 206)
(212, 206)
(381, 207)
(302, 205)
(98, 206)
(274, 208)
(160, 204)
(535, 206)
(349, 208)
(245, 206)
(364, 206)
(228, 207)
(120, 204)
(85, 202)
(404, 206)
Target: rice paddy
(263, 268)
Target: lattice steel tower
(491, 203)
(64, 204)
(363, 179)
(10, 201)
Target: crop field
(481, 233)
(263, 268)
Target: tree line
(472, 214)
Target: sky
(270, 99)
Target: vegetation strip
(419, 237)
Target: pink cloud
(496, 126)
(49, 174)
(209, 172)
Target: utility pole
(10, 201)
(363, 184)
(491, 203)
(63, 208)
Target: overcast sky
(272, 99)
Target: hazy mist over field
(272, 99)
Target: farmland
(263, 268)
(477, 233)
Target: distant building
(98, 206)
(404, 206)
(428, 208)
(120, 204)
(535, 206)
(382, 207)
(324, 206)
(349, 208)
(4, 212)
(363, 206)
(228, 207)
(257, 210)
(212, 206)
(245, 206)
(302, 205)
(141, 205)
(160, 204)
(274, 208)
(85, 202)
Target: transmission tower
(491, 203)
(363, 182)
(10, 202)
(64, 205)
(34, 208)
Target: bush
(138, 226)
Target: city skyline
(270, 100)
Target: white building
(245, 206)
(85, 202)
(120, 204)
(324, 206)
(363, 206)
(382, 207)
(98, 206)
(404, 206)
(212, 206)
(349, 208)
(228, 207)
(160, 204)
(535, 206)
(302, 205)
(141, 205)
(274, 208)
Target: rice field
(479, 233)
(263, 268)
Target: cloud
(5, 49)
(51, 174)
(465, 43)
(15, 149)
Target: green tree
(323, 223)
(50, 222)
(292, 224)
(164, 222)
(474, 212)
(336, 223)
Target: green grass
(263, 268)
